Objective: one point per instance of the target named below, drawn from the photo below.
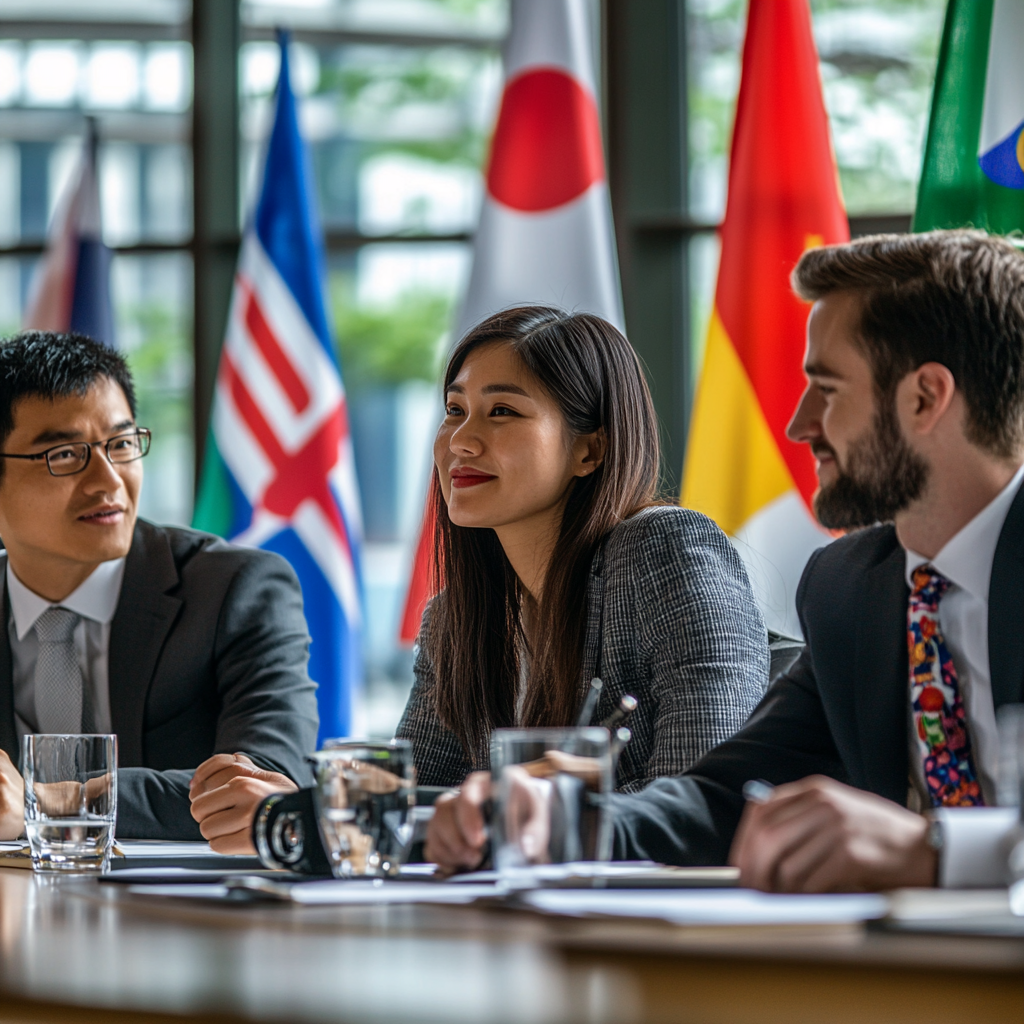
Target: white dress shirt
(95, 601)
(966, 561)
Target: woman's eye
(502, 410)
(452, 410)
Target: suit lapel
(1006, 609)
(8, 732)
(880, 676)
(144, 616)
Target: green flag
(973, 173)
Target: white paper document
(708, 906)
(166, 848)
(332, 892)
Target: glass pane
(877, 68)
(477, 17)
(392, 305)
(152, 298)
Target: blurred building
(397, 101)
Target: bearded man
(880, 742)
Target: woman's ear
(588, 451)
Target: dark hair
(951, 297)
(475, 634)
(51, 365)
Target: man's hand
(457, 835)
(12, 799)
(225, 792)
(817, 835)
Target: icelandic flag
(71, 288)
(279, 471)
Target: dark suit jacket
(208, 653)
(842, 710)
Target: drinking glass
(550, 797)
(364, 794)
(70, 800)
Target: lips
(463, 476)
(102, 516)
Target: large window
(61, 63)
(397, 99)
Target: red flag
(741, 469)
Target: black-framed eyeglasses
(73, 456)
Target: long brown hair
(475, 632)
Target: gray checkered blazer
(671, 609)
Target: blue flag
(279, 471)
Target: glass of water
(550, 794)
(70, 800)
(364, 794)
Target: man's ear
(925, 395)
(589, 451)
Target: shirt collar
(95, 598)
(966, 558)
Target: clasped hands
(815, 835)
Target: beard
(882, 477)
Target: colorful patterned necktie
(939, 719)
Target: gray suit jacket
(208, 653)
(672, 621)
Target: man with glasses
(181, 644)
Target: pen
(757, 791)
(621, 738)
(590, 702)
(627, 705)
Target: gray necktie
(58, 681)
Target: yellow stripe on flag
(733, 465)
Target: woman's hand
(225, 792)
(457, 833)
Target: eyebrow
(821, 370)
(493, 389)
(56, 436)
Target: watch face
(936, 840)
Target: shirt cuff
(975, 845)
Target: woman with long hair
(554, 562)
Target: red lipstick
(463, 476)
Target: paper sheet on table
(165, 848)
(343, 892)
(640, 874)
(708, 906)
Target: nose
(101, 475)
(465, 438)
(805, 425)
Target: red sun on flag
(547, 143)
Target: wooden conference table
(75, 950)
